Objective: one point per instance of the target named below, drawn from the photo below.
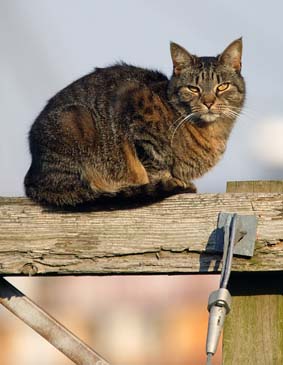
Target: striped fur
(131, 132)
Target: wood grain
(260, 186)
(255, 334)
(172, 236)
(253, 331)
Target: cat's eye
(223, 86)
(193, 89)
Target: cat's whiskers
(233, 112)
(244, 113)
(187, 117)
(247, 112)
(229, 114)
(228, 111)
(197, 109)
(176, 121)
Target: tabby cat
(128, 131)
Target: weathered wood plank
(172, 236)
(256, 333)
(253, 329)
(260, 186)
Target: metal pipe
(54, 332)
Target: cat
(129, 131)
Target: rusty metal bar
(55, 333)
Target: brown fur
(137, 174)
(129, 131)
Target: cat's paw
(179, 186)
(190, 188)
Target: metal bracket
(245, 234)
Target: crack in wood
(175, 235)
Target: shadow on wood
(173, 236)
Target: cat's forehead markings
(206, 75)
(213, 75)
(206, 62)
(218, 78)
(206, 69)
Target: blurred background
(45, 45)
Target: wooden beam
(260, 186)
(253, 331)
(172, 236)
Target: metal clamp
(237, 235)
(219, 304)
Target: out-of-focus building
(143, 320)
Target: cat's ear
(180, 57)
(232, 55)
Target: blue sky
(47, 44)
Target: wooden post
(253, 332)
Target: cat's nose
(208, 104)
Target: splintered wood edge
(173, 236)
